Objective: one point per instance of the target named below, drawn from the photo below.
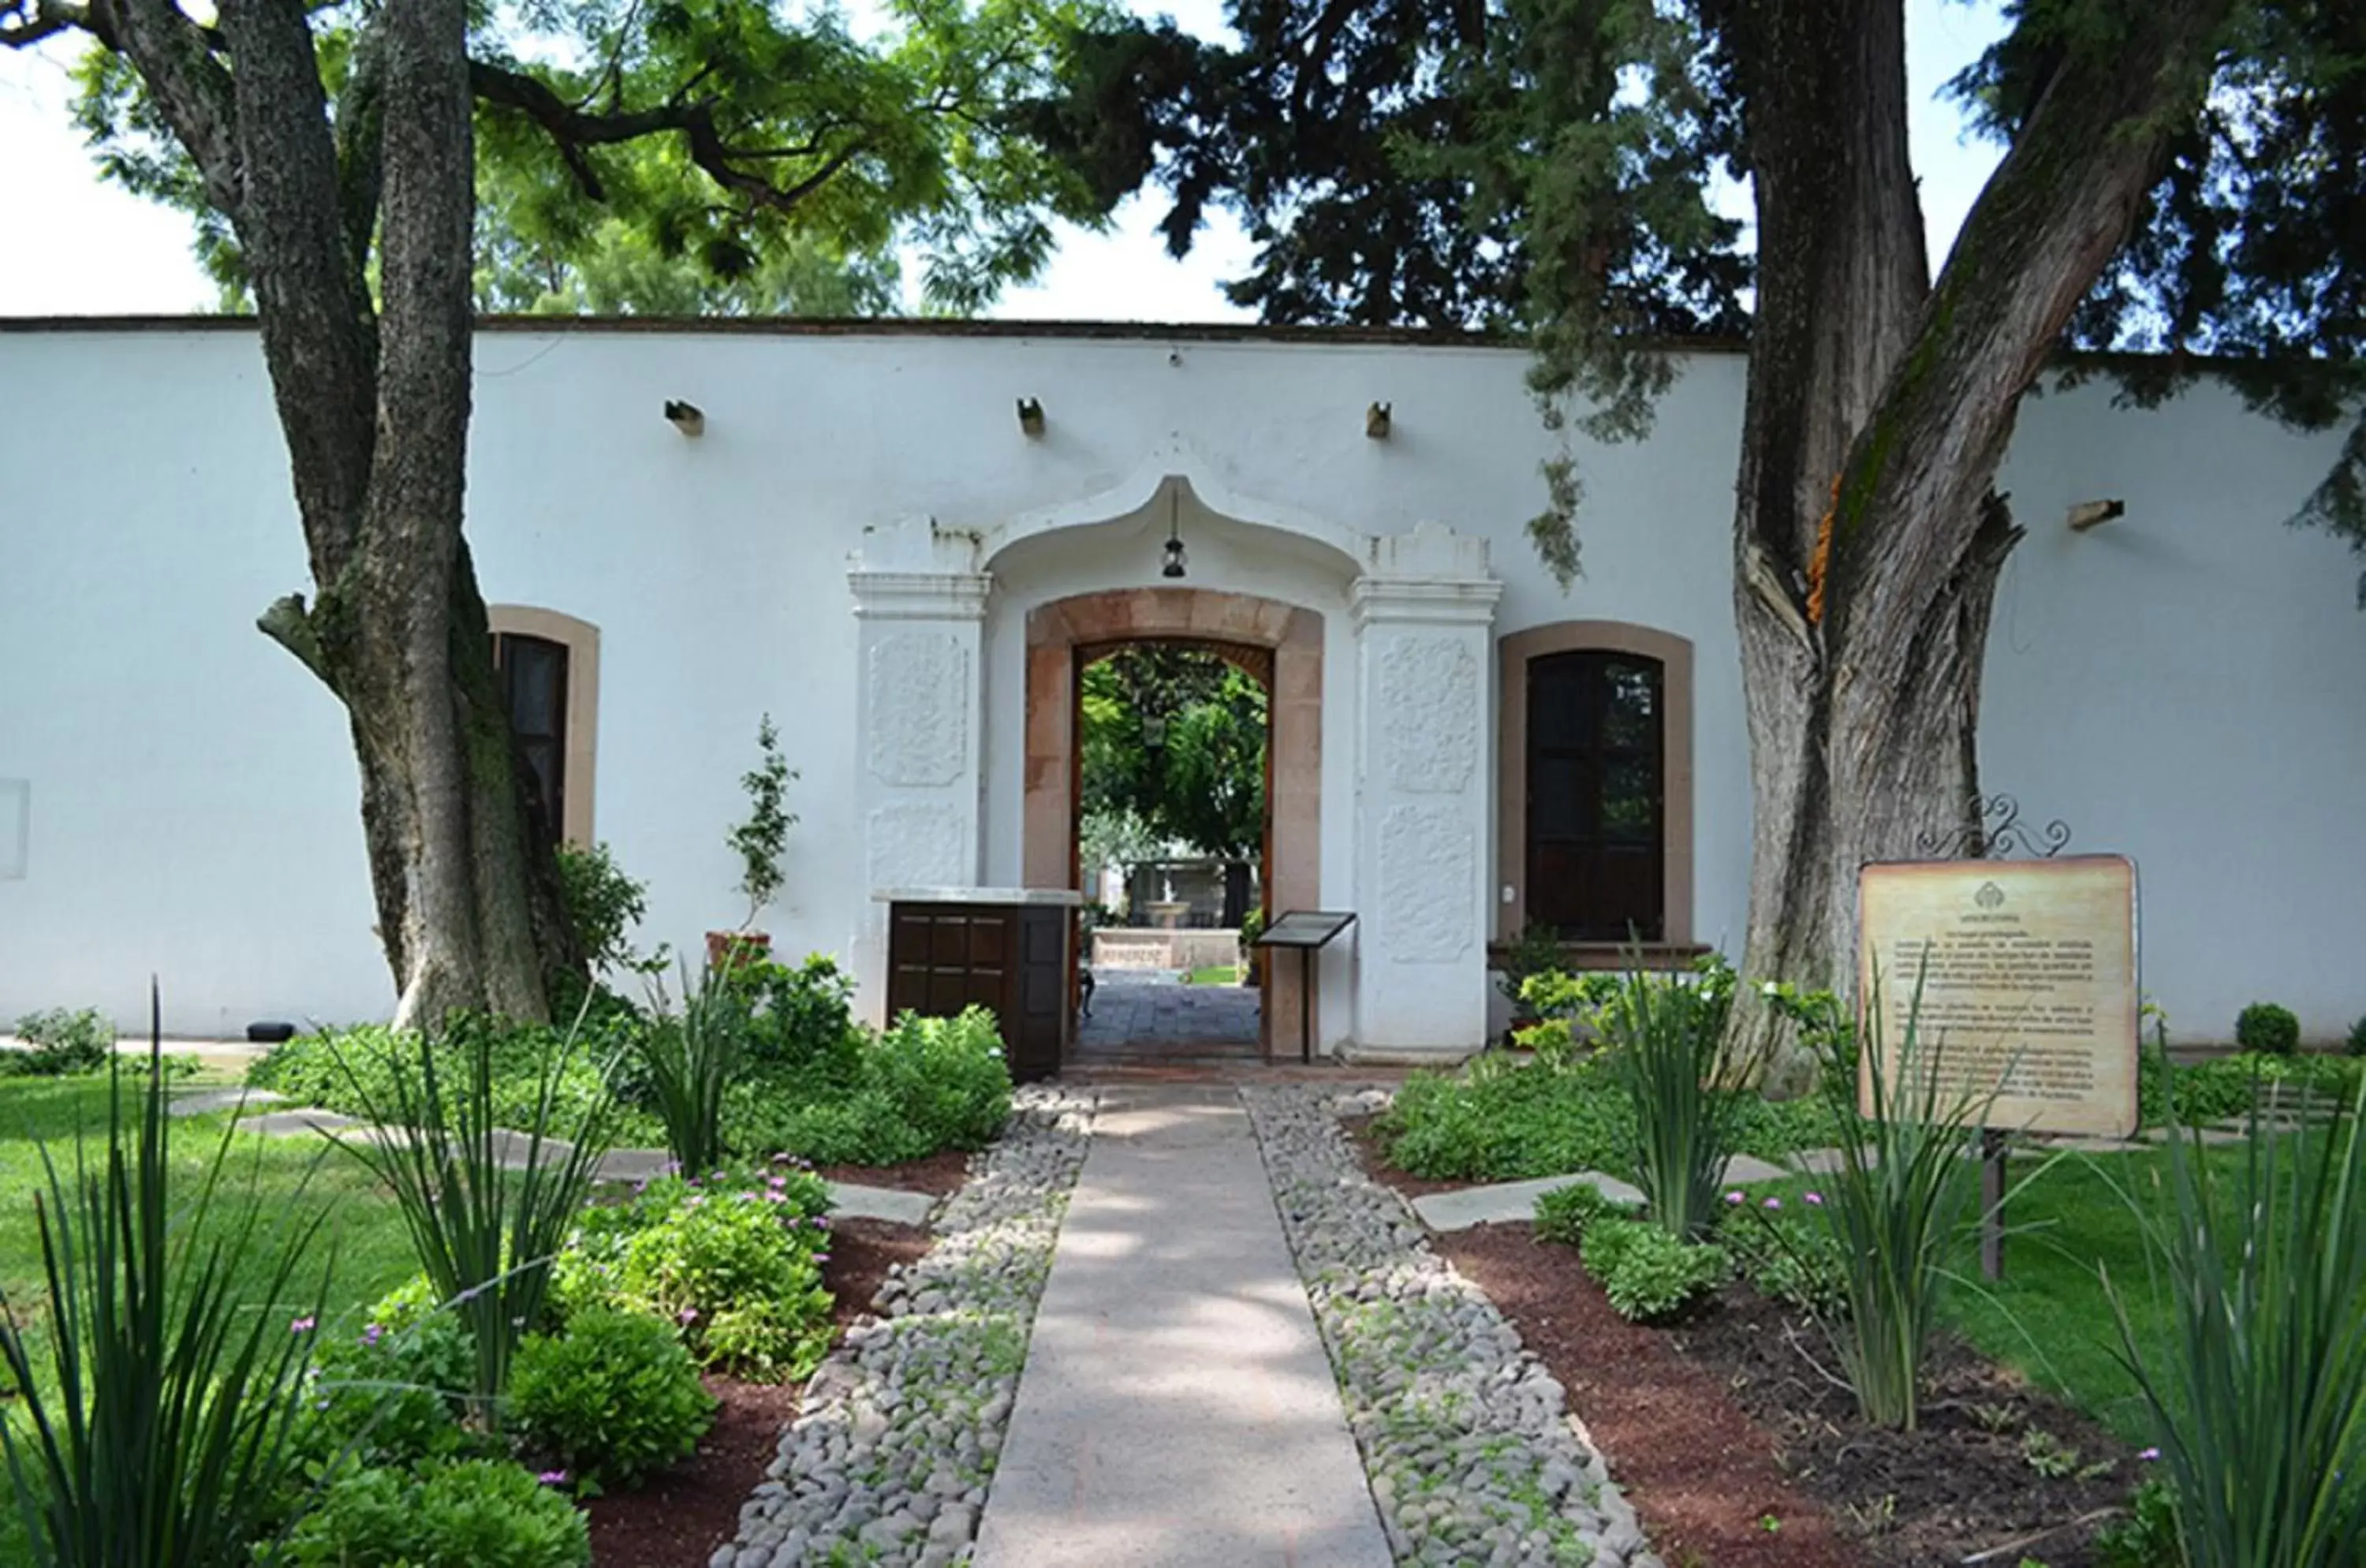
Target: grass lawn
(1215, 975)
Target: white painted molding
(920, 595)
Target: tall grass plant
(1666, 1038)
(691, 1060)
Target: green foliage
(485, 1230)
(155, 1400)
(2268, 1029)
(470, 1514)
(1827, 1031)
(1563, 1214)
(1666, 1043)
(801, 1021)
(1647, 1272)
(614, 1400)
(927, 1084)
(348, 1070)
(689, 1062)
(2356, 1044)
(1787, 1253)
(763, 838)
(392, 1391)
(1894, 1207)
(737, 1274)
(1536, 950)
(2147, 1537)
(59, 1042)
(829, 154)
(604, 904)
(1203, 782)
(2224, 1087)
(2258, 1397)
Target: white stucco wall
(2179, 684)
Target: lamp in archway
(1175, 556)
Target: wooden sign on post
(2027, 978)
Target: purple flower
(1815, 1198)
(822, 1256)
(687, 1314)
(552, 1478)
(776, 1180)
(776, 1197)
(370, 1335)
(720, 1176)
(1733, 1197)
(1773, 1203)
(302, 1325)
(693, 1201)
(2148, 1455)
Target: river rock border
(1471, 1452)
(889, 1462)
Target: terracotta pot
(732, 949)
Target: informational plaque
(2027, 972)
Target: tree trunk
(1868, 540)
(376, 413)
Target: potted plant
(760, 841)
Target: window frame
(580, 751)
(1673, 654)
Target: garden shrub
(2147, 1537)
(470, 1514)
(59, 1042)
(1646, 1271)
(926, 1085)
(306, 1068)
(603, 905)
(2356, 1044)
(737, 1271)
(1786, 1254)
(2224, 1087)
(1563, 1214)
(392, 1391)
(614, 1400)
(801, 1021)
(2268, 1029)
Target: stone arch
(1293, 636)
(1674, 655)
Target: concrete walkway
(1178, 1408)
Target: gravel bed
(1471, 1455)
(890, 1460)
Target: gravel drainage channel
(890, 1462)
(1472, 1454)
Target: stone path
(1137, 1011)
(1178, 1408)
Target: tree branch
(24, 23)
(285, 623)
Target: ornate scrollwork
(1996, 832)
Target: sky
(72, 245)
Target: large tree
(335, 151)
(2182, 177)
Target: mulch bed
(940, 1175)
(1740, 1453)
(680, 1518)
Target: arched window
(549, 666)
(1595, 775)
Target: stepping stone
(284, 1123)
(1742, 1169)
(1507, 1203)
(203, 1101)
(852, 1201)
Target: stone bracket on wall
(1424, 616)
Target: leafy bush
(2356, 1044)
(57, 1042)
(690, 1061)
(927, 1084)
(472, 1514)
(1786, 1254)
(801, 1021)
(734, 1267)
(763, 838)
(162, 1405)
(484, 1222)
(391, 1392)
(1666, 1051)
(1646, 1271)
(2147, 1537)
(1563, 1214)
(614, 1400)
(2224, 1087)
(347, 1069)
(2257, 1390)
(2268, 1029)
(604, 904)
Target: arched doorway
(1284, 641)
